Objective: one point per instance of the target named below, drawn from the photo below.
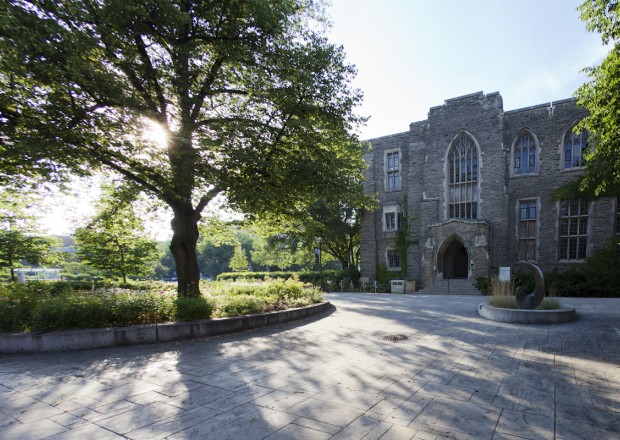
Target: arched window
(525, 155)
(575, 146)
(463, 178)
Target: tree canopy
(19, 238)
(601, 96)
(114, 240)
(254, 102)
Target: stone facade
(461, 163)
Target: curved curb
(66, 340)
(520, 316)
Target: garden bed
(35, 342)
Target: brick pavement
(457, 376)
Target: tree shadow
(455, 374)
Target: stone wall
(424, 150)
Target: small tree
(19, 240)
(115, 241)
(239, 261)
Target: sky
(414, 54)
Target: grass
(503, 296)
(52, 306)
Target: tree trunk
(183, 247)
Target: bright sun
(154, 133)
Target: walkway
(456, 376)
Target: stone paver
(456, 376)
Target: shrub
(190, 309)
(484, 285)
(239, 305)
(56, 306)
(115, 308)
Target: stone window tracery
(463, 192)
(524, 155)
(575, 146)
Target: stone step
(451, 287)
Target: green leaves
(601, 96)
(255, 101)
(115, 240)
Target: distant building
(478, 182)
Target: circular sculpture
(533, 299)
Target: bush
(191, 309)
(484, 285)
(56, 306)
(239, 305)
(103, 309)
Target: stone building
(474, 184)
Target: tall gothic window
(527, 230)
(392, 171)
(575, 146)
(525, 155)
(573, 229)
(463, 178)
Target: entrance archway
(455, 261)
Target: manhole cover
(395, 338)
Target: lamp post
(320, 241)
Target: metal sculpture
(533, 299)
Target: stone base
(522, 316)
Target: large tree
(253, 100)
(601, 96)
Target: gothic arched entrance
(455, 261)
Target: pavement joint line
(559, 381)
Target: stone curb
(67, 340)
(519, 316)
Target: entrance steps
(455, 286)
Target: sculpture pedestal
(522, 316)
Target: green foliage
(335, 218)
(254, 101)
(599, 276)
(114, 241)
(60, 305)
(193, 308)
(74, 271)
(510, 302)
(244, 298)
(599, 97)
(16, 246)
(19, 240)
(484, 285)
(239, 260)
(314, 278)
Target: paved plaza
(344, 375)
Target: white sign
(504, 274)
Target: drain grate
(395, 338)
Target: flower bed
(52, 306)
